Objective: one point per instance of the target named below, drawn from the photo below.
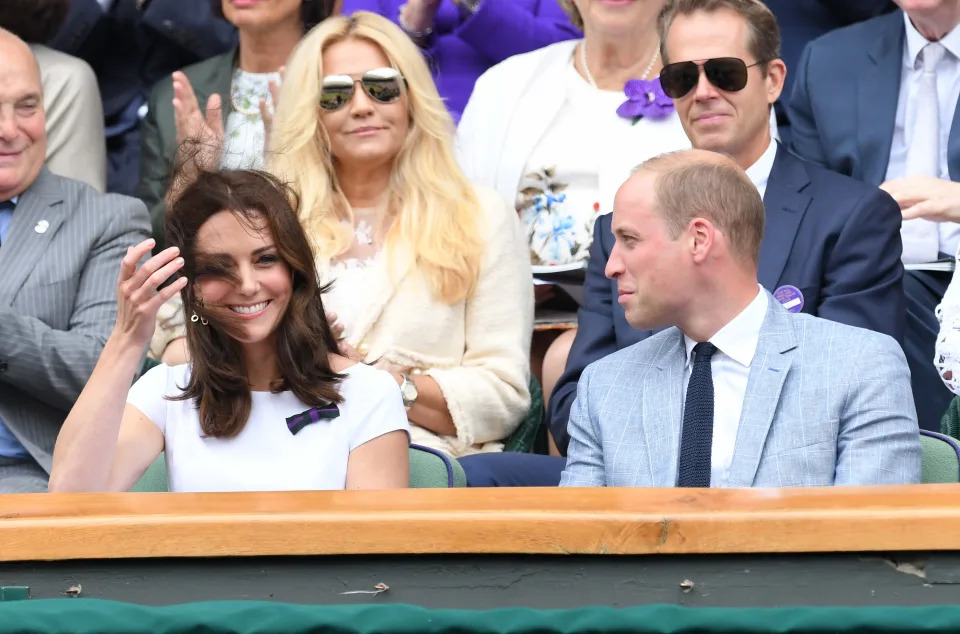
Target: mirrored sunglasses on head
(383, 85)
(728, 74)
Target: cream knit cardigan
(477, 350)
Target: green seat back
(950, 422)
(526, 436)
(429, 469)
(941, 458)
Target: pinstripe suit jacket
(825, 404)
(58, 300)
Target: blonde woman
(431, 280)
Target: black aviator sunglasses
(726, 73)
(383, 85)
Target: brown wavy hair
(218, 379)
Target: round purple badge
(790, 298)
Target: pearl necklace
(586, 68)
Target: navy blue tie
(696, 441)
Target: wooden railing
(532, 521)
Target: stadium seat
(941, 458)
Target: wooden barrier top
(464, 521)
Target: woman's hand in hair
(199, 132)
(138, 299)
(335, 325)
(268, 110)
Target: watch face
(408, 390)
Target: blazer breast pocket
(50, 303)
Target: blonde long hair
(436, 212)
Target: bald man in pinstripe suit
(61, 244)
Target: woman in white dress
(266, 403)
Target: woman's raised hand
(268, 110)
(138, 299)
(204, 128)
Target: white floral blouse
(243, 133)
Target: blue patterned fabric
(10, 447)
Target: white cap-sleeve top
(266, 455)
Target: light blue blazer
(826, 404)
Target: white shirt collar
(738, 339)
(759, 172)
(916, 42)
(13, 200)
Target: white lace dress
(351, 273)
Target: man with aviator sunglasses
(831, 247)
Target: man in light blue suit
(739, 392)
(878, 101)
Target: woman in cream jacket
(429, 274)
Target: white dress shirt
(948, 92)
(759, 172)
(730, 366)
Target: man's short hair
(33, 21)
(764, 41)
(719, 191)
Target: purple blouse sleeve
(503, 28)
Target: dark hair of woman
(312, 12)
(33, 21)
(218, 380)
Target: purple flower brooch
(645, 98)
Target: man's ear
(702, 234)
(776, 75)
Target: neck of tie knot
(703, 351)
(931, 55)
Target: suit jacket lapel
(785, 204)
(953, 146)
(768, 371)
(531, 119)
(663, 420)
(877, 98)
(219, 81)
(36, 220)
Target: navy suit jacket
(836, 239)
(131, 49)
(844, 103)
(801, 21)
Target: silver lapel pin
(42, 226)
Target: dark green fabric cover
(92, 616)
(950, 423)
(525, 437)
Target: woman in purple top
(463, 38)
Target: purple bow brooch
(645, 98)
(313, 415)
